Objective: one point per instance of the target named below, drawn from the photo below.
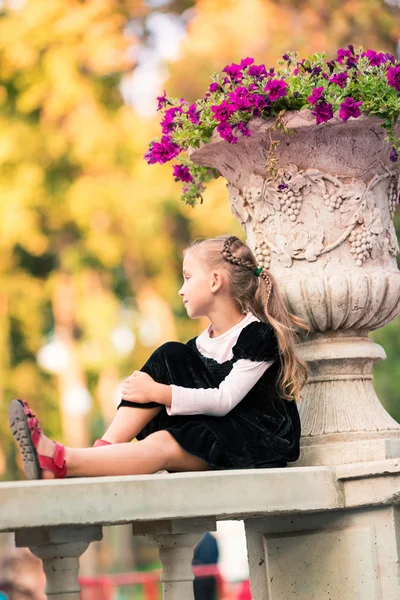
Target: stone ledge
(115, 500)
(368, 469)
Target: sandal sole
(20, 430)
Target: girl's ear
(217, 281)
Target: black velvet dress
(262, 431)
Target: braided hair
(249, 263)
(254, 290)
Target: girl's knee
(173, 350)
(163, 441)
(165, 445)
(173, 456)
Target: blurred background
(90, 235)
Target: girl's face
(199, 287)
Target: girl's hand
(139, 387)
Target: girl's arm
(215, 401)
(140, 387)
(218, 401)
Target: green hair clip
(258, 271)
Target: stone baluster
(59, 548)
(175, 541)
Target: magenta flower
(223, 111)
(315, 71)
(393, 76)
(194, 115)
(234, 72)
(246, 62)
(162, 152)
(244, 130)
(349, 108)
(226, 132)
(258, 71)
(258, 101)
(276, 88)
(343, 54)
(389, 57)
(214, 87)
(182, 173)
(322, 112)
(168, 123)
(316, 95)
(351, 62)
(240, 98)
(340, 79)
(162, 101)
(375, 58)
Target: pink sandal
(25, 428)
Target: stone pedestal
(59, 548)
(342, 419)
(175, 541)
(348, 554)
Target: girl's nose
(180, 293)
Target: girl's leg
(157, 452)
(171, 363)
(128, 422)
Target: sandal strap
(35, 430)
(56, 464)
(101, 442)
(33, 424)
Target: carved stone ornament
(277, 208)
(324, 228)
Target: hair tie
(259, 271)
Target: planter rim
(292, 119)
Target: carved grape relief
(365, 227)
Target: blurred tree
(228, 30)
(74, 237)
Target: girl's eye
(186, 277)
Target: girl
(225, 400)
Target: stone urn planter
(325, 230)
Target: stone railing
(325, 532)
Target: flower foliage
(355, 82)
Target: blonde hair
(260, 296)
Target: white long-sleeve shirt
(221, 400)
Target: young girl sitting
(225, 400)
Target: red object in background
(101, 587)
(244, 592)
